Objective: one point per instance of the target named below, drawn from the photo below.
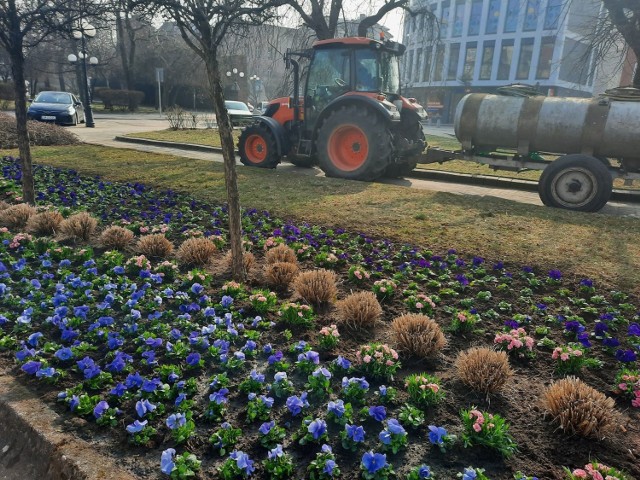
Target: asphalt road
(107, 126)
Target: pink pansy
(477, 427)
(366, 359)
(578, 472)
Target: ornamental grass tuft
(116, 238)
(483, 370)
(81, 226)
(359, 311)
(418, 335)
(578, 408)
(44, 223)
(248, 261)
(155, 246)
(281, 253)
(316, 286)
(16, 216)
(195, 252)
(280, 274)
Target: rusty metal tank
(597, 127)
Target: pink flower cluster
(565, 353)
(379, 353)
(330, 331)
(422, 300)
(15, 242)
(516, 339)
(480, 420)
(272, 242)
(594, 472)
(360, 274)
(424, 384)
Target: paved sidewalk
(110, 125)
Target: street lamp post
(255, 82)
(235, 88)
(85, 30)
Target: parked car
(239, 113)
(57, 107)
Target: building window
(552, 15)
(506, 56)
(493, 16)
(470, 61)
(458, 21)
(511, 22)
(417, 70)
(487, 60)
(454, 58)
(545, 58)
(476, 16)
(426, 74)
(531, 15)
(524, 61)
(444, 19)
(439, 63)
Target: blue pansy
(100, 408)
(373, 462)
(355, 432)
(317, 428)
(166, 461)
(437, 434)
(379, 413)
(243, 461)
(176, 420)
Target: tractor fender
(361, 101)
(279, 133)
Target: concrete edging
(420, 173)
(33, 445)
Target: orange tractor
(352, 120)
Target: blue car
(62, 108)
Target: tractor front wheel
(354, 143)
(257, 147)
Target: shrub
(418, 335)
(359, 311)
(44, 223)
(316, 286)
(80, 226)
(578, 408)
(280, 274)
(16, 216)
(7, 91)
(483, 369)
(40, 133)
(129, 99)
(116, 238)
(248, 260)
(281, 253)
(4, 205)
(155, 246)
(195, 252)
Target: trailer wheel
(257, 147)
(576, 182)
(354, 143)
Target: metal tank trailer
(579, 144)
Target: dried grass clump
(248, 261)
(280, 274)
(116, 238)
(155, 246)
(81, 226)
(418, 335)
(316, 286)
(44, 223)
(16, 216)
(578, 408)
(281, 254)
(195, 252)
(4, 205)
(483, 369)
(359, 311)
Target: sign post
(160, 79)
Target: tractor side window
(367, 79)
(330, 69)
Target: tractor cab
(351, 118)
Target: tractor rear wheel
(354, 144)
(257, 147)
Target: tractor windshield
(389, 73)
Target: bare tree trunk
(636, 75)
(230, 175)
(17, 68)
(124, 58)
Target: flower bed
(177, 371)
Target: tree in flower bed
(159, 337)
(487, 429)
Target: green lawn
(601, 247)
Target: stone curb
(420, 173)
(34, 446)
